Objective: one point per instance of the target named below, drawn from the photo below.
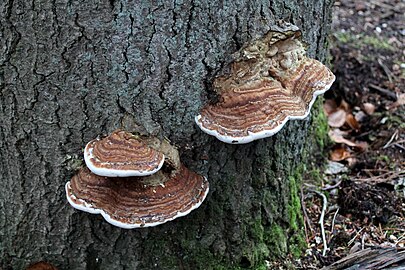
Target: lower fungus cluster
(130, 201)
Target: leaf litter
(363, 182)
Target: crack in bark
(188, 22)
(15, 39)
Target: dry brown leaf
(337, 136)
(362, 146)
(344, 106)
(329, 106)
(352, 122)
(339, 153)
(368, 108)
(337, 118)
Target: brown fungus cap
(41, 266)
(149, 201)
(270, 81)
(122, 154)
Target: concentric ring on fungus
(141, 202)
(122, 154)
(270, 82)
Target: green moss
(377, 43)
(361, 41)
(294, 206)
(277, 239)
(255, 255)
(296, 235)
(320, 126)
(258, 230)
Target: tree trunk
(70, 71)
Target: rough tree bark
(71, 70)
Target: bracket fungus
(143, 202)
(139, 201)
(122, 154)
(270, 82)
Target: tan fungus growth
(270, 82)
(142, 202)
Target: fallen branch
(371, 258)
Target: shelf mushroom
(142, 202)
(122, 154)
(270, 82)
(169, 190)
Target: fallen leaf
(337, 118)
(334, 167)
(368, 108)
(344, 106)
(362, 146)
(329, 106)
(339, 153)
(352, 122)
(337, 136)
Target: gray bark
(72, 70)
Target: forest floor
(357, 202)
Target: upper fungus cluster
(270, 82)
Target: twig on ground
(385, 177)
(393, 137)
(332, 187)
(395, 229)
(325, 205)
(362, 240)
(386, 70)
(384, 91)
(354, 238)
(376, 170)
(384, 5)
(333, 224)
(399, 146)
